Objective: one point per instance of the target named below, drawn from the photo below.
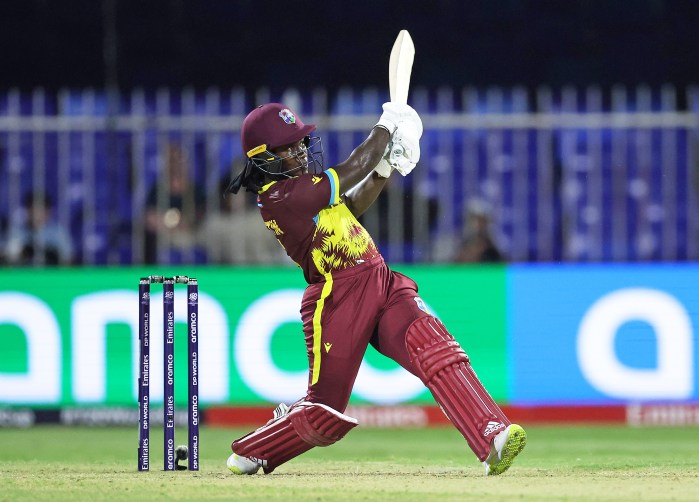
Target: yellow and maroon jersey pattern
(313, 224)
(340, 241)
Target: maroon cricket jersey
(313, 224)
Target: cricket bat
(400, 66)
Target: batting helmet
(274, 125)
(268, 127)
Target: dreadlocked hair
(255, 177)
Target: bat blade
(400, 66)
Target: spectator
(477, 244)
(173, 210)
(235, 234)
(38, 239)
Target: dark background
(251, 43)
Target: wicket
(169, 454)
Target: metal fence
(579, 175)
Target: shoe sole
(513, 446)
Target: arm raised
(363, 159)
(360, 180)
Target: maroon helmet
(268, 127)
(273, 125)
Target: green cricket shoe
(506, 446)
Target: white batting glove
(394, 113)
(384, 168)
(405, 147)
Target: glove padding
(395, 113)
(405, 147)
(403, 150)
(384, 168)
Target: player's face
(294, 158)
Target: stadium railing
(571, 174)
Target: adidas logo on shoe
(492, 427)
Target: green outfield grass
(559, 463)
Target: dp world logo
(146, 296)
(193, 297)
(288, 116)
(169, 295)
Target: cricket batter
(353, 298)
